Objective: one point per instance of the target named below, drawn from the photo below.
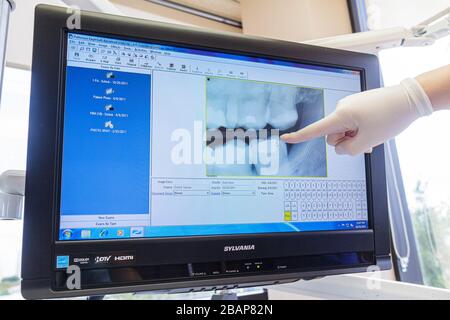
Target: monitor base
(95, 298)
(220, 296)
(230, 295)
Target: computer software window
(166, 141)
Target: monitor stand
(230, 295)
(95, 297)
(224, 295)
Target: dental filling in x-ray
(245, 120)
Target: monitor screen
(169, 141)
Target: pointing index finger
(325, 126)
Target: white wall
(405, 13)
(20, 37)
(20, 41)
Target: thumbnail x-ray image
(244, 121)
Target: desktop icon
(109, 125)
(103, 233)
(137, 232)
(110, 75)
(109, 91)
(85, 234)
(109, 107)
(67, 234)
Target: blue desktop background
(106, 172)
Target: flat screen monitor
(159, 162)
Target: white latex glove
(367, 119)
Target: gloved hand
(367, 119)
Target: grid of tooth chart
(312, 200)
(244, 120)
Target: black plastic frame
(40, 245)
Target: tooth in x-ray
(270, 157)
(309, 95)
(283, 106)
(246, 105)
(216, 115)
(312, 108)
(231, 159)
(308, 159)
(216, 104)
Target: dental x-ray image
(245, 120)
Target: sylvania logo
(247, 247)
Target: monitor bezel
(45, 132)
